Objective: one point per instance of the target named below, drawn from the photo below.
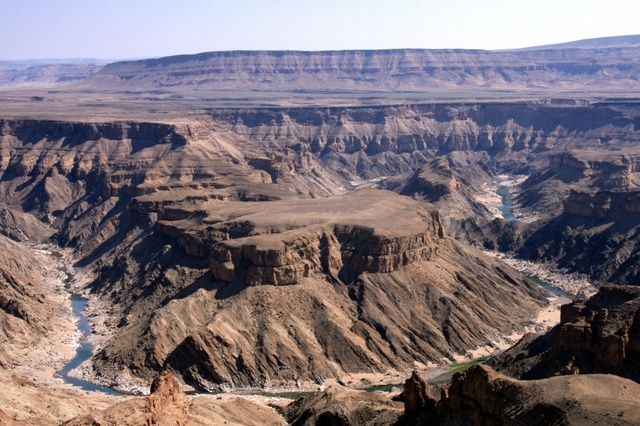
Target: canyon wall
(380, 70)
(235, 218)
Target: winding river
(84, 351)
(505, 209)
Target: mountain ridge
(614, 70)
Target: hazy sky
(119, 29)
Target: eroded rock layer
(601, 334)
(482, 396)
(358, 70)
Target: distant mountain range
(594, 43)
(28, 63)
(579, 67)
(603, 65)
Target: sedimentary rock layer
(358, 70)
(599, 335)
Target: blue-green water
(553, 290)
(84, 352)
(507, 202)
(505, 208)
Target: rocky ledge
(482, 396)
(282, 242)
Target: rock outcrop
(482, 396)
(433, 180)
(342, 406)
(600, 335)
(167, 405)
(416, 396)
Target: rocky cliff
(595, 234)
(608, 68)
(339, 237)
(482, 396)
(601, 334)
(607, 206)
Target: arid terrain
(263, 223)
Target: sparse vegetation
(464, 366)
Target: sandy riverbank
(45, 358)
(577, 285)
(493, 201)
(32, 391)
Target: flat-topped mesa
(344, 239)
(341, 250)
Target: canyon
(290, 220)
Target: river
(507, 202)
(84, 351)
(505, 209)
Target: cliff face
(491, 127)
(339, 243)
(377, 69)
(48, 166)
(595, 234)
(72, 175)
(344, 248)
(606, 327)
(600, 335)
(604, 205)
